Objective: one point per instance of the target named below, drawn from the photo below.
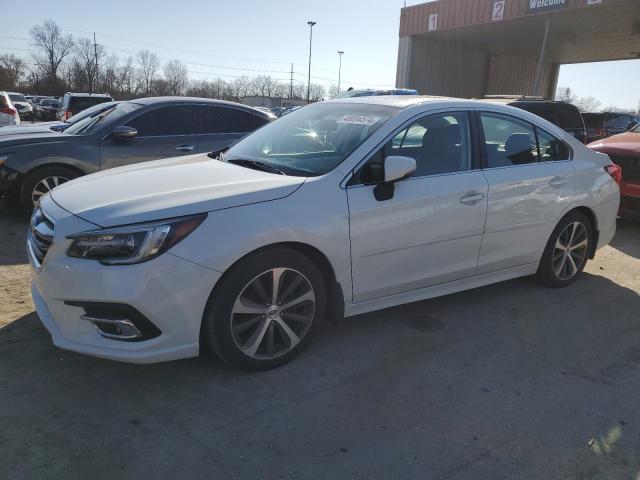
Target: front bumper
(169, 291)
(9, 178)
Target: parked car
(8, 113)
(624, 150)
(127, 132)
(21, 104)
(564, 115)
(47, 109)
(73, 103)
(38, 98)
(347, 206)
(369, 92)
(53, 126)
(605, 124)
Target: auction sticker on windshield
(366, 120)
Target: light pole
(340, 52)
(311, 24)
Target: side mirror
(396, 168)
(631, 125)
(122, 132)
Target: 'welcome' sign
(541, 5)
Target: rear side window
(3, 101)
(218, 119)
(509, 141)
(166, 121)
(550, 148)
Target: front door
(431, 230)
(163, 132)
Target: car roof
(100, 95)
(158, 100)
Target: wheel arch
(335, 294)
(591, 215)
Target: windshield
(90, 111)
(94, 122)
(355, 93)
(312, 140)
(17, 98)
(49, 103)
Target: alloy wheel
(570, 252)
(273, 313)
(45, 185)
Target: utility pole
(95, 53)
(311, 24)
(291, 83)
(340, 52)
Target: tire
(48, 176)
(233, 333)
(561, 267)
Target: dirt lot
(508, 381)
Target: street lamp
(311, 24)
(340, 52)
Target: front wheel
(567, 251)
(266, 309)
(41, 181)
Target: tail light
(601, 132)
(8, 110)
(66, 115)
(615, 171)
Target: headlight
(132, 244)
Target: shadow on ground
(508, 381)
(627, 238)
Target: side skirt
(440, 290)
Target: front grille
(41, 230)
(630, 166)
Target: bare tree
(587, 104)
(316, 91)
(88, 57)
(52, 47)
(148, 64)
(564, 94)
(12, 70)
(333, 90)
(176, 76)
(241, 86)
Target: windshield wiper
(256, 165)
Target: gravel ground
(512, 380)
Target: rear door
(163, 132)
(531, 182)
(220, 126)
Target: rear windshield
(564, 116)
(77, 104)
(17, 97)
(593, 119)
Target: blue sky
(267, 36)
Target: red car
(624, 150)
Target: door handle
(558, 182)
(186, 148)
(471, 198)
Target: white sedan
(340, 208)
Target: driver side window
(439, 144)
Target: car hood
(169, 188)
(624, 143)
(19, 135)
